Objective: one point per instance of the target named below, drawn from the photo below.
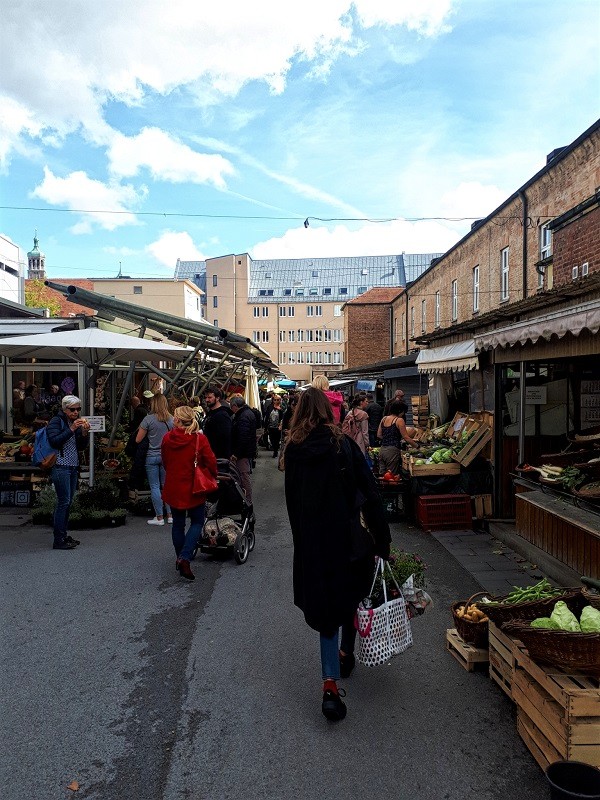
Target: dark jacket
(375, 412)
(58, 431)
(217, 429)
(325, 491)
(243, 435)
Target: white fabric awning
(457, 357)
(585, 316)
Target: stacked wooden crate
(420, 410)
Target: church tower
(36, 262)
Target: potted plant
(402, 566)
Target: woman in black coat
(327, 485)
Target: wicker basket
(475, 633)
(573, 652)
(535, 608)
(591, 599)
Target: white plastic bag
(384, 631)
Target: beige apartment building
(293, 308)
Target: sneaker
(63, 545)
(156, 521)
(347, 664)
(71, 540)
(169, 520)
(333, 707)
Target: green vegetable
(541, 591)
(544, 622)
(437, 457)
(419, 462)
(590, 620)
(564, 617)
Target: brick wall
(368, 333)
(577, 242)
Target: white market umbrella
(251, 394)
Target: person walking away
(155, 425)
(336, 399)
(243, 444)
(356, 423)
(392, 431)
(328, 484)
(178, 451)
(138, 411)
(274, 425)
(375, 414)
(398, 396)
(218, 424)
(67, 434)
(31, 404)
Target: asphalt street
(120, 675)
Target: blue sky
(209, 129)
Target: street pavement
(120, 675)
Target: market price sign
(97, 424)
(536, 395)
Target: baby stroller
(229, 525)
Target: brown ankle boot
(184, 569)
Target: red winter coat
(178, 450)
(335, 400)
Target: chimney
(551, 156)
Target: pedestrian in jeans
(155, 425)
(179, 448)
(328, 484)
(274, 425)
(68, 435)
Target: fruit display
(22, 448)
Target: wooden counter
(569, 534)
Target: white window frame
(327, 335)
(438, 308)
(291, 358)
(291, 336)
(256, 311)
(337, 310)
(309, 311)
(423, 316)
(337, 335)
(545, 241)
(265, 336)
(504, 274)
(282, 336)
(215, 280)
(318, 335)
(300, 335)
(256, 336)
(318, 311)
(337, 357)
(403, 327)
(282, 311)
(265, 311)
(310, 335)
(300, 357)
(327, 357)
(291, 311)
(282, 357)
(476, 288)
(215, 301)
(454, 293)
(412, 322)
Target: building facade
(369, 326)
(11, 281)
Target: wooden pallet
(502, 660)
(467, 655)
(558, 713)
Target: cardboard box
(483, 505)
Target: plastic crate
(437, 512)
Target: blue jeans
(185, 543)
(330, 650)
(65, 485)
(156, 479)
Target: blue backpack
(44, 455)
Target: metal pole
(185, 364)
(522, 397)
(92, 391)
(124, 394)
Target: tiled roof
(378, 294)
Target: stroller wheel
(251, 539)
(241, 549)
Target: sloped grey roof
(338, 278)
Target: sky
(135, 133)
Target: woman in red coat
(178, 451)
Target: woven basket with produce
(529, 602)
(470, 622)
(562, 639)
(591, 591)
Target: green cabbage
(544, 622)
(564, 618)
(590, 620)
(437, 457)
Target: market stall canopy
(92, 347)
(457, 357)
(585, 316)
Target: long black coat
(325, 491)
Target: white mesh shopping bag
(384, 631)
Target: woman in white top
(155, 425)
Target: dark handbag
(204, 483)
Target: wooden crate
(475, 445)
(432, 470)
(502, 660)
(483, 505)
(558, 713)
(467, 655)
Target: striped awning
(457, 357)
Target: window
(423, 317)
(256, 311)
(318, 335)
(437, 309)
(504, 274)
(545, 241)
(454, 300)
(215, 280)
(216, 323)
(282, 336)
(291, 358)
(403, 327)
(412, 322)
(262, 292)
(337, 335)
(475, 289)
(337, 358)
(291, 336)
(327, 335)
(309, 336)
(256, 336)
(301, 357)
(313, 291)
(309, 357)
(344, 290)
(337, 311)
(315, 273)
(309, 311)
(282, 311)
(265, 311)
(327, 290)
(299, 292)
(291, 311)
(300, 335)
(362, 289)
(282, 358)
(318, 311)
(265, 336)
(268, 274)
(327, 359)
(395, 329)
(215, 302)
(319, 358)
(137, 290)
(287, 292)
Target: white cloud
(173, 245)
(370, 239)
(471, 200)
(166, 158)
(78, 191)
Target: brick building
(368, 326)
